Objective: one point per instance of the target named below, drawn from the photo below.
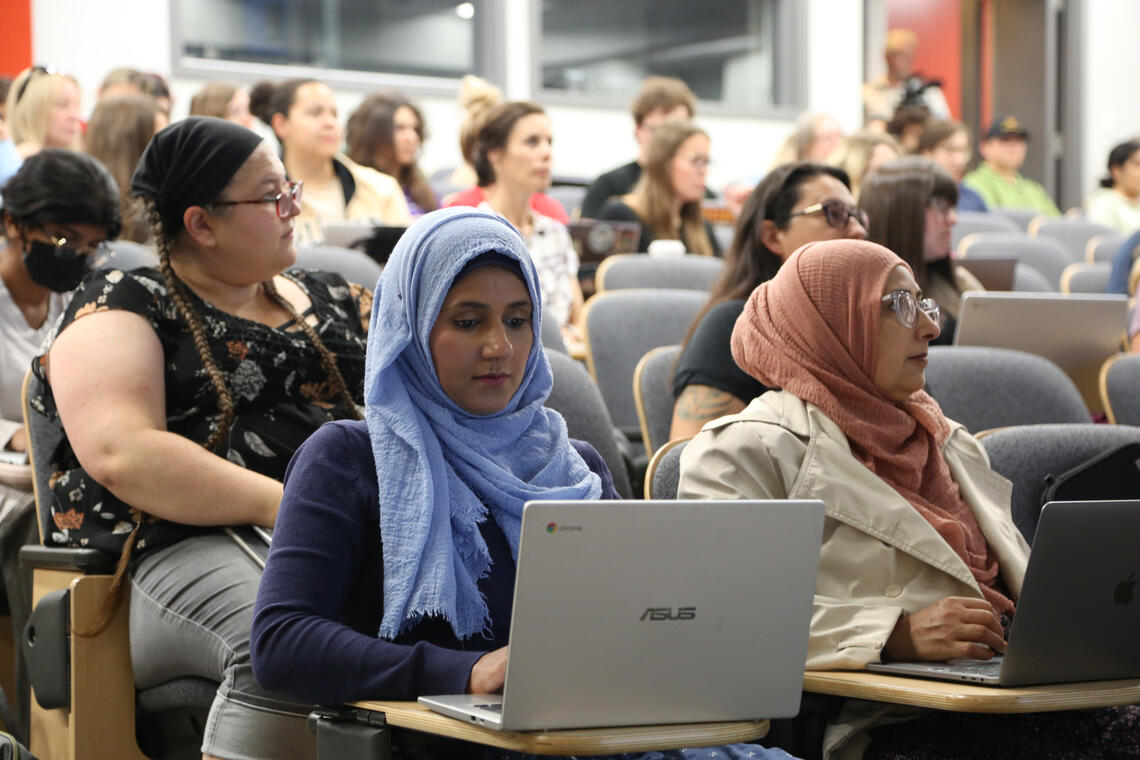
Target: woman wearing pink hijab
(920, 558)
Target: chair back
(352, 265)
(1120, 389)
(1103, 247)
(1028, 279)
(1084, 277)
(576, 397)
(621, 326)
(653, 394)
(635, 270)
(985, 388)
(663, 476)
(44, 436)
(1073, 234)
(126, 255)
(1027, 454)
(570, 196)
(970, 222)
(1022, 217)
(551, 334)
(1046, 255)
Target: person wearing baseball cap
(998, 180)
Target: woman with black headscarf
(183, 392)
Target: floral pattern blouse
(280, 390)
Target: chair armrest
(90, 561)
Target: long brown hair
(652, 196)
(370, 134)
(117, 135)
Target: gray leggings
(191, 610)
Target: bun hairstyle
(1117, 157)
(476, 97)
(267, 99)
(493, 133)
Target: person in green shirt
(998, 180)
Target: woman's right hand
(488, 673)
(956, 626)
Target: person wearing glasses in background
(666, 201)
(43, 111)
(182, 393)
(920, 559)
(794, 205)
(913, 205)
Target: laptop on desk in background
(993, 272)
(653, 612)
(1078, 617)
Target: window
(738, 53)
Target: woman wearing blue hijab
(392, 565)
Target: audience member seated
(128, 81)
(861, 153)
(998, 179)
(512, 160)
(57, 209)
(901, 85)
(303, 114)
(43, 111)
(947, 143)
(913, 207)
(392, 567)
(1122, 263)
(907, 125)
(1116, 203)
(666, 201)
(658, 100)
(119, 131)
(815, 138)
(843, 329)
(223, 100)
(386, 132)
(479, 99)
(182, 394)
(794, 205)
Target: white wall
(88, 38)
(1112, 58)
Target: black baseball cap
(1007, 126)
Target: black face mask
(57, 268)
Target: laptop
(595, 239)
(994, 272)
(1078, 615)
(1077, 332)
(654, 612)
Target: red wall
(15, 37)
(938, 24)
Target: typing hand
(488, 673)
(953, 627)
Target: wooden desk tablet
(975, 698)
(588, 741)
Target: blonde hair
(30, 98)
(799, 142)
(854, 154)
(476, 97)
(213, 100)
(900, 39)
(652, 196)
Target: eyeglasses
(941, 205)
(907, 307)
(698, 162)
(60, 241)
(288, 201)
(837, 213)
(36, 71)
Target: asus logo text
(669, 613)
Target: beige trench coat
(879, 557)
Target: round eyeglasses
(907, 307)
(836, 213)
(288, 201)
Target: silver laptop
(1078, 617)
(1077, 332)
(655, 612)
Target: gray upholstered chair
(552, 333)
(1028, 279)
(653, 394)
(970, 222)
(620, 327)
(1074, 234)
(634, 270)
(350, 264)
(1027, 454)
(1103, 247)
(1046, 255)
(985, 388)
(578, 400)
(1084, 277)
(126, 255)
(1120, 389)
(663, 476)
(1019, 216)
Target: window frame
(790, 77)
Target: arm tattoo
(701, 403)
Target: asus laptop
(655, 612)
(1078, 617)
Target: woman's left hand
(489, 673)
